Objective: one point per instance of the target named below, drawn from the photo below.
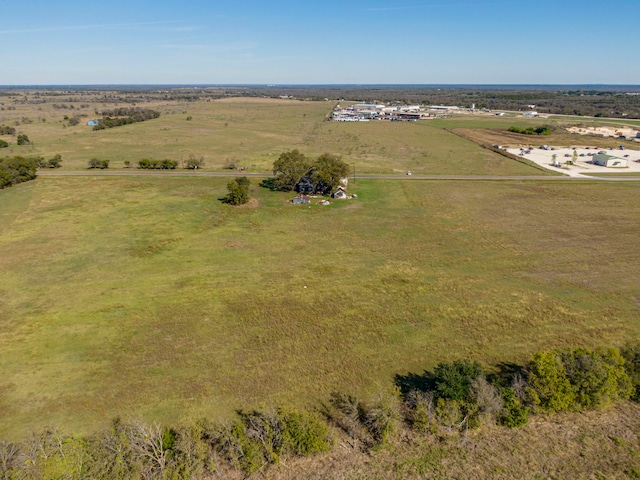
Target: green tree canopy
(238, 191)
(326, 173)
(289, 168)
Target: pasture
(146, 296)
(251, 132)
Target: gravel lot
(544, 158)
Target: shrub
(238, 191)
(549, 388)
(303, 433)
(23, 139)
(514, 413)
(421, 411)
(380, 418)
(452, 380)
(631, 355)
(598, 377)
(3, 144)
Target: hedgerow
(453, 397)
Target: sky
(319, 42)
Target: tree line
(451, 398)
(124, 116)
(541, 130)
(16, 169)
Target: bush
(23, 139)
(238, 191)
(303, 433)
(631, 355)
(422, 411)
(578, 378)
(370, 422)
(598, 377)
(513, 414)
(549, 388)
(3, 144)
(452, 380)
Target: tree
(194, 162)
(598, 377)
(238, 191)
(289, 168)
(453, 380)
(23, 139)
(55, 161)
(326, 173)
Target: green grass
(253, 132)
(147, 296)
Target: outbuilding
(605, 160)
(340, 193)
(301, 199)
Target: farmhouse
(605, 160)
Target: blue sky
(320, 42)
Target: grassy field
(253, 132)
(147, 296)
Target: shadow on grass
(503, 376)
(413, 381)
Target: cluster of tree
(462, 395)
(133, 450)
(293, 171)
(53, 162)
(6, 130)
(97, 163)
(238, 191)
(453, 397)
(541, 130)
(125, 116)
(14, 170)
(165, 164)
(73, 121)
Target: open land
(146, 296)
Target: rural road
(134, 173)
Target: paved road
(146, 173)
